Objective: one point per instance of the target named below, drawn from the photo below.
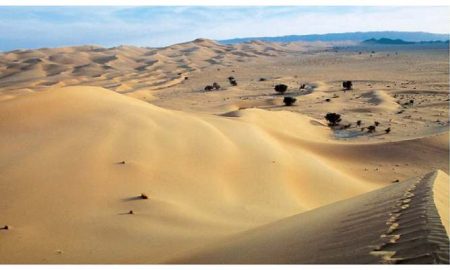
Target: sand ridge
(395, 224)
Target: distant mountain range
(354, 36)
(388, 41)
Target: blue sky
(36, 27)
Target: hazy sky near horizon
(36, 27)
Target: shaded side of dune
(396, 224)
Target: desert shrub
(327, 100)
(216, 86)
(233, 82)
(347, 85)
(333, 118)
(303, 86)
(371, 129)
(280, 88)
(358, 123)
(387, 130)
(347, 126)
(208, 88)
(289, 101)
(143, 196)
(262, 79)
(376, 123)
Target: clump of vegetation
(232, 81)
(216, 86)
(347, 85)
(289, 101)
(131, 212)
(143, 196)
(387, 130)
(371, 129)
(262, 79)
(333, 119)
(208, 88)
(327, 100)
(377, 123)
(358, 123)
(411, 101)
(280, 88)
(186, 78)
(303, 86)
(347, 126)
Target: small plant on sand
(216, 86)
(280, 88)
(333, 119)
(387, 130)
(131, 212)
(232, 81)
(327, 100)
(371, 129)
(347, 85)
(289, 101)
(303, 86)
(6, 227)
(143, 196)
(376, 123)
(262, 79)
(208, 88)
(358, 123)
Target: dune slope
(75, 159)
(395, 224)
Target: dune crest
(395, 224)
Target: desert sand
(229, 175)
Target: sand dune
(79, 134)
(231, 175)
(395, 224)
(132, 68)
